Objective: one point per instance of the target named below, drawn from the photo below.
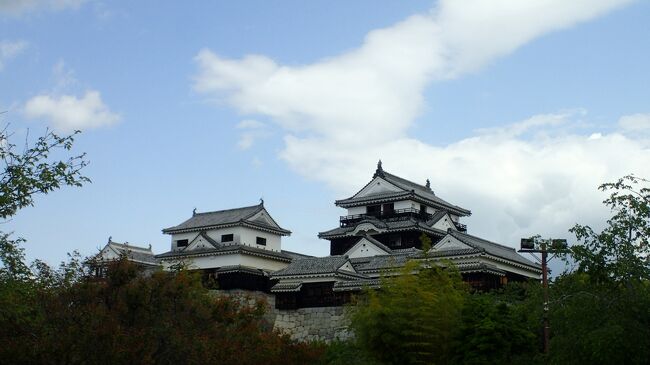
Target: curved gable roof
(247, 216)
(408, 189)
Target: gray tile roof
(356, 285)
(287, 286)
(295, 255)
(480, 267)
(410, 189)
(492, 248)
(438, 215)
(200, 221)
(314, 266)
(382, 262)
(227, 249)
(134, 253)
(401, 225)
(455, 252)
(241, 268)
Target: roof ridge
(227, 210)
(386, 173)
(130, 246)
(484, 240)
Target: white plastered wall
(444, 223)
(241, 235)
(449, 243)
(364, 248)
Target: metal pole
(545, 285)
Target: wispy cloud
(20, 7)
(253, 130)
(342, 113)
(9, 50)
(635, 122)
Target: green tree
(165, 318)
(34, 169)
(500, 327)
(412, 318)
(599, 311)
(64, 316)
(621, 251)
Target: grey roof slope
(134, 253)
(410, 189)
(227, 249)
(295, 255)
(492, 248)
(403, 225)
(436, 217)
(383, 262)
(314, 266)
(226, 217)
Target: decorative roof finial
(428, 185)
(262, 201)
(110, 239)
(193, 212)
(150, 247)
(379, 171)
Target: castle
(241, 248)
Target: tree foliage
(621, 251)
(599, 312)
(34, 169)
(412, 318)
(166, 318)
(427, 315)
(65, 316)
(499, 328)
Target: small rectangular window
(182, 243)
(227, 237)
(261, 241)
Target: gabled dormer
(249, 226)
(368, 247)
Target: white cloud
(253, 131)
(635, 122)
(68, 112)
(9, 50)
(343, 113)
(515, 186)
(19, 7)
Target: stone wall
(313, 324)
(304, 324)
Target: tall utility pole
(536, 245)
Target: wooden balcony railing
(393, 214)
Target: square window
(261, 241)
(227, 237)
(182, 243)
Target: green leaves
(411, 320)
(33, 171)
(621, 252)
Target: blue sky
(515, 110)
